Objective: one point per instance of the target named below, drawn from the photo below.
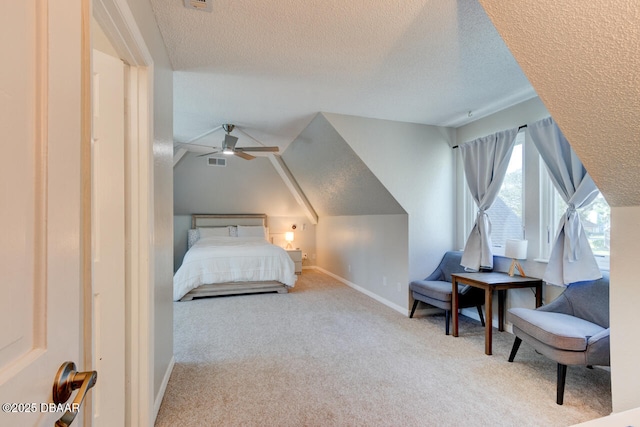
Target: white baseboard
(163, 388)
(402, 310)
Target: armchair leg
(447, 320)
(479, 307)
(514, 349)
(413, 309)
(562, 375)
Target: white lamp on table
(516, 249)
(288, 236)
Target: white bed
(231, 254)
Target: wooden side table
(490, 282)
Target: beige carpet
(327, 355)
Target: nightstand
(296, 257)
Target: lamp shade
(516, 249)
(288, 236)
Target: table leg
(501, 298)
(454, 305)
(488, 301)
(539, 295)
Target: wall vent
(216, 161)
(204, 5)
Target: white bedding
(232, 259)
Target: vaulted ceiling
(271, 66)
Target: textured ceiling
(582, 58)
(270, 66)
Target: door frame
(117, 22)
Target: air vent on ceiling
(216, 161)
(204, 5)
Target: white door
(40, 204)
(108, 238)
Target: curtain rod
(519, 129)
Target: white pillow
(213, 232)
(252, 231)
(192, 237)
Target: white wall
(367, 251)
(624, 303)
(163, 189)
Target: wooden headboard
(221, 220)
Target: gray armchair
(436, 289)
(571, 330)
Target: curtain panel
(485, 163)
(571, 258)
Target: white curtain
(571, 258)
(485, 164)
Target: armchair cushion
(558, 330)
(435, 289)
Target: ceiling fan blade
(230, 142)
(257, 149)
(244, 155)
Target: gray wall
(333, 177)
(369, 251)
(243, 186)
(415, 164)
(163, 189)
(406, 175)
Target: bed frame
(231, 288)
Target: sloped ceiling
(582, 58)
(271, 66)
(333, 178)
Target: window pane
(506, 212)
(596, 221)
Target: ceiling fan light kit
(230, 141)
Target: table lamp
(288, 236)
(516, 249)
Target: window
(506, 212)
(596, 221)
(544, 208)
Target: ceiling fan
(229, 145)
